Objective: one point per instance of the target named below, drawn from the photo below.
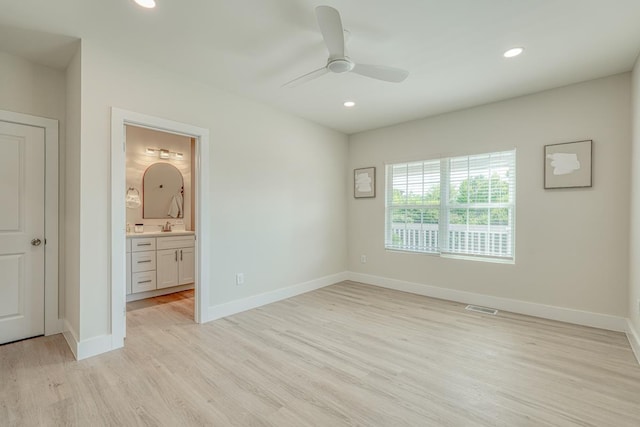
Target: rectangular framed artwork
(568, 165)
(364, 182)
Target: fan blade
(381, 72)
(331, 29)
(307, 77)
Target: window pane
(431, 216)
(458, 216)
(481, 200)
(399, 184)
(399, 215)
(458, 174)
(479, 216)
(413, 206)
(499, 216)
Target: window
(453, 206)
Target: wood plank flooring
(348, 354)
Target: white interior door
(22, 191)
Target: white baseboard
(578, 317)
(634, 339)
(238, 306)
(87, 348)
(94, 346)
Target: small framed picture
(364, 182)
(568, 165)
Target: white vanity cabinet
(158, 264)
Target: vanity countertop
(162, 233)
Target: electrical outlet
(240, 279)
(363, 259)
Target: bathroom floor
(172, 309)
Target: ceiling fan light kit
(333, 32)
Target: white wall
(31, 88)
(70, 167)
(277, 183)
(571, 245)
(138, 139)
(634, 264)
(34, 89)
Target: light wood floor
(348, 354)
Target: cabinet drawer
(175, 242)
(144, 281)
(148, 244)
(143, 261)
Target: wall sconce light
(163, 153)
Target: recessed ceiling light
(349, 104)
(513, 52)
(149, 4)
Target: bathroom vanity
(159, 263)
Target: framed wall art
(568, 165)
(364, 182)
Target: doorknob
(36, 242)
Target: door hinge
(45, 241)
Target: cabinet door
(187, 270)
(167, 268)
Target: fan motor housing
(340, 65)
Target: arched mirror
(162, 192)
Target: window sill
(479, 258)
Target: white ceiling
(452, 48)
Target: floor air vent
(485, 310)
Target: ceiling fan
(333, 33)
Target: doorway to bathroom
(159, 233)
(160, 213)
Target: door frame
(119, 119)
(52, 322)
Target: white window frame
(444, 228)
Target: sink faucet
(167, 227)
